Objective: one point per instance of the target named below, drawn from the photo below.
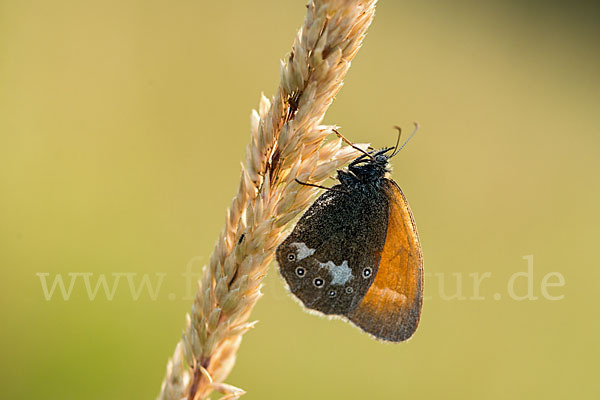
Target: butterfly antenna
(351, 144)
(397, 139)
(406, 141)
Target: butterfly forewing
(391, 308)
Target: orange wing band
(391, 307)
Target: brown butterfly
(356, 252)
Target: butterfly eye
(300, 272)
(349, 289)
(367, 272)
(291, 257)
(332, 293)
(318, 282)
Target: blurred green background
(122, 126)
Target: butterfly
(355, 253)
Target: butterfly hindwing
(331, 258)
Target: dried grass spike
(286, 143)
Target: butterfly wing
(331, 258)
(391, 308)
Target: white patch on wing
(302, 251)
(340, 273)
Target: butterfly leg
(319, 186)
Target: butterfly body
(356, 253)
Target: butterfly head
(370, 167)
